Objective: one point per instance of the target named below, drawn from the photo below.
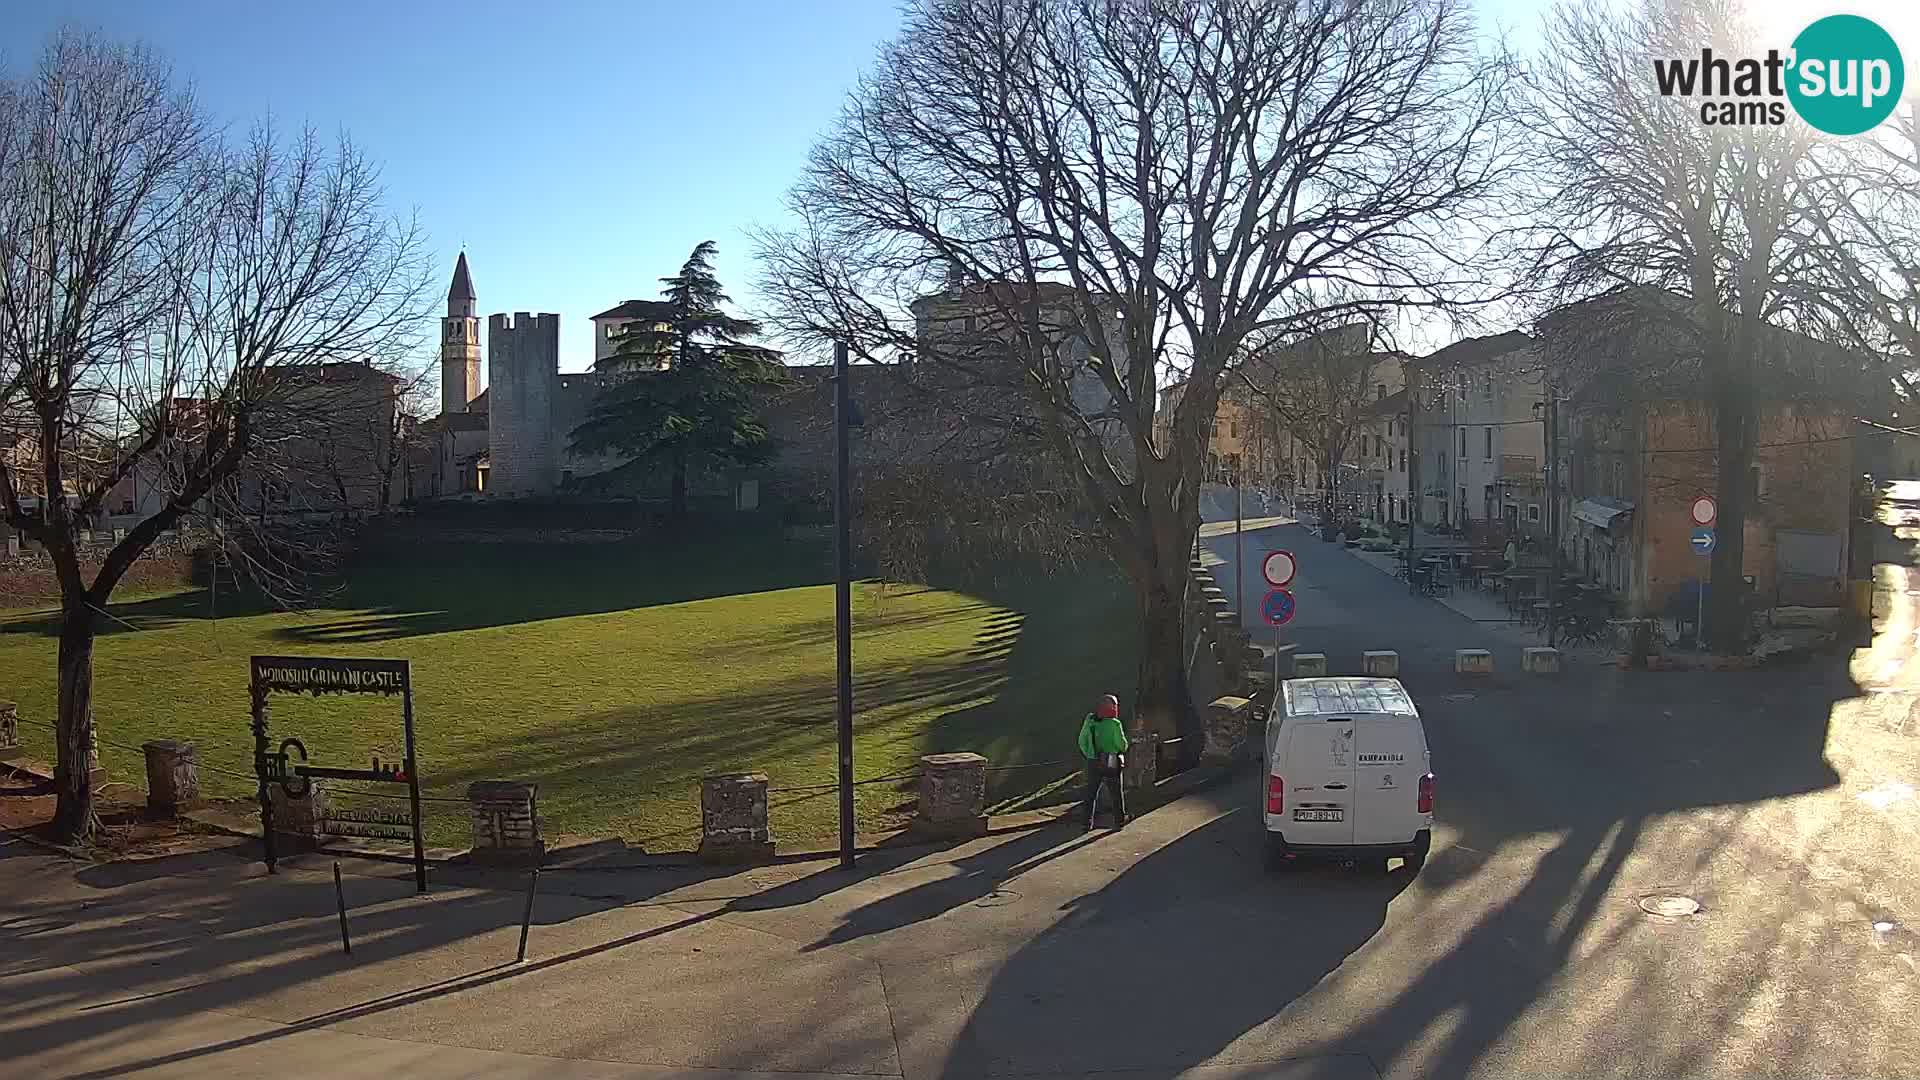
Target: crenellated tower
(459, 343)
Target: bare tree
(1873, 182)
(1319, 388)
(162, 299)
(1061, 199)
(1641, 192)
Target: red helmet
(1108, 709)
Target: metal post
(843, 596)
(258, 693)
(340, 900)
(413, 786)
(526, 917)
(1551, 419)
(1239, 563)
(1413, 473)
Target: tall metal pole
(1413, 472)
(1239, 564)
(1552, 421)
(843, 595)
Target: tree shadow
(400, 591)
(1585, 767)
(170, 947)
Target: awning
(1598, 514)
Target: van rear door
(1390, 756)
(1318, 767)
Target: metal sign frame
(316, 675)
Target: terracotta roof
(639, 309)
(462, 287)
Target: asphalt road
(1780, 802)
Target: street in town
(1635, 874)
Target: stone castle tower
(459, 343)
(523, 372)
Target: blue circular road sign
(1277, 607)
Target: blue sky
(577, 149)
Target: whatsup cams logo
(1843, 75)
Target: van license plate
(1319, 815)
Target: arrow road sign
(1277, 607)
(1702, 541)
(1279, 568)
(1704, 510)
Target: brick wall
(1806, 469)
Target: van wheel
(1277, 855)
(1417, 858)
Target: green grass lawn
(615, 676)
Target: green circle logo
(1847, 74)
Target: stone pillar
(1226, 730)
(1309, 665)
(1143, 760)
(953, 795)
(1472, 662)
(1381, 662)
(9, 731)
(733, 818)
(173, 776)
(506, 823)
(303, 819)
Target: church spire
(460, 295)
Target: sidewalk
(1491, 614)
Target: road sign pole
(843, 596)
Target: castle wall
(523, 364)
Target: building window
(1233, 428)
(1488, 432)
(1533, 513)
(1380, 391)
(1463, 444)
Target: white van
(1348, 773)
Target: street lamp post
(843, 593)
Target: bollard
(1309, 665)
(1381, 662)
(526, 917)
(1540, 660)
(1472, 662)
(340, 900)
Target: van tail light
(1277, 795)
(1426, 794)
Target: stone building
(514, 439)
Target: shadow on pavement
(1576, 769)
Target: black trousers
(1110, 778)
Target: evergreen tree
(682, 392)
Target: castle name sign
(328, 675)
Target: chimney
(956, 278)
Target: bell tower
(459, 344)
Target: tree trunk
(1734, 424)
(677, 500)
(1161, 694)
(73, 818)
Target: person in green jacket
(1102, 742)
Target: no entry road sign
(1277, 607)
(1702, 541)
(1279, 568)
(1704, 510)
